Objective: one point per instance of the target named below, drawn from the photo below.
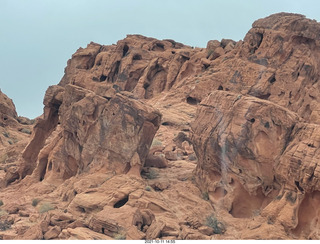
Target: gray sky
(37, 37)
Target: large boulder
(85, 132)
(257, 157)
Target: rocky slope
(152, 139)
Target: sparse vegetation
(290, 197)
(148, 188)
(27, 131)
(1, 202)
(119, 236)
(205, 196)
(3, 158)
(5, 225)
(35, 202)
(152, 174)
(10, 142)
(217, 226)
(6, 134)
(156, 142)
(3, 212)
(256, 212)
(45, 207)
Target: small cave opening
(137, 57)
(103, 78)
(146, 85)
(192, 101)
(264, 96)
(252, 120)
(125, 50)
(50, 166)
(121, 202)
(220, 88)
(259, 39)
(166, 123)
(298, 186)
(80, 209)
(42, 167)
(206, 66)
(311, 145)
(160, 45)
(272, 79)
(267, 125)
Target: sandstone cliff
(151, 139)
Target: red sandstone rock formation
(112, 156)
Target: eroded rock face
(84, 132)
(256, 130)
(142, 65)
(7, 110)
(278, 60)
(238, 141)
(14, 135)
(258, 157)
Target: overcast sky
(37, 37)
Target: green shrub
(119, 236)
(3, 212)
(152, 174)
(35, 202)
(45, 207)
(5, 225)
(148, 188)
(217, 226)
(205, 196)
(290, 197)
(156, 142)
(27, 131)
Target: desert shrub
(35, 202)
(5, 225)
(217, 226)
(3, 158)
(152, 174)
(6, 134)
(148, 188)
(3, 212)
(1, 202)
(205, 196)
(119, 236)
(290, 197)
(45, 207)
(156, 142)
(27, 131)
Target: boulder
(95, 133)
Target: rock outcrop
(150, 139)
(278, 60)
(257, 141)
(7, 110)
(85, 132)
